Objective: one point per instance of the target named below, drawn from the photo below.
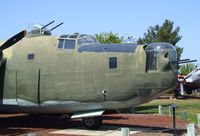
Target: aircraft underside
(64, 107)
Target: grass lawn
(191, 106)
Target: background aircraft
(190, 82)
(76, 75)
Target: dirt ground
(23, 124)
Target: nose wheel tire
(92, 122)
(188, 91)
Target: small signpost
(170, 110)
(184, 115)
(198, 120)
(173, 106)
(125, 132)
(191, 129)
(160, 109)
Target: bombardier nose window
(151, 59)
(152, 51)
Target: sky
(125, 17)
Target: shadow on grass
(150, 109)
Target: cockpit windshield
(70, 41)
(87, 39)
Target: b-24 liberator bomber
(76, 75)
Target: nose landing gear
(92, 122)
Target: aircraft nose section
(189, 80)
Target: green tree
(110, 37)
(164, 33)
(186, 68)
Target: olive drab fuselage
(42, 75)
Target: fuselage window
(113, 62)
(66, 44)
(31, 56)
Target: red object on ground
(181, 76)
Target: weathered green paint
(61, 75)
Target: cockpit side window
(61, 43)
(69, 44)
(66, 44)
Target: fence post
(184, 115)
(198, 120)
(160, 108)
(125, 132)
(170, 110)
(173, 106)
(191, 129)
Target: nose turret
(159, 56)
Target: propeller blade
(181, 88)
(13, 40)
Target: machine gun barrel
(181, 62)
(184, 60)
(47, 24)
(56, 26)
